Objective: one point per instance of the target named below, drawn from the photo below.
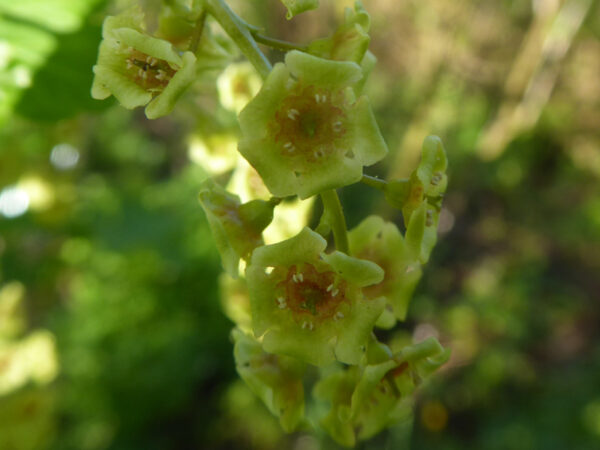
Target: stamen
(293, 113)
(320, 98)
(338, 315)
(129, 64)
(330, 287)
(334, 292)
(337, 126)
(282, 303)
(289, 146)
(429, 218)
(300, 277)
(295, 278)
(141, 73)
(307, 325)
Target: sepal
(295, 7)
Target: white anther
(334, 292)
(289, 146)
(338, 315)
(293, 113)
(337, 126)
(307, 325)
(160, 75)
(283, 305)
(141, 73)
(409, 269)
(129, 64)
(320, 98)
(295, 278)
(330, 287)
(300, 277)
(144, 75)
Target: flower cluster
(305, 305)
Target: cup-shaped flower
(350, 41)
(299, 6)
(275, 379)
(236, 227)
(306, 131)
(139, 69)
(381, 242)
(420, 197)
(365, 400)
(308, 304)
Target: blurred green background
(111, 332)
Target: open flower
(139, 69)
(305, 131)
(381, 242)
(276, 379)
(308, 304)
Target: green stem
(277, 43)
(374, 182)
(197, 33)
(333, 208)
(234, 27)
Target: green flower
(237, 228)
(305, 131)
(139, 69)
(381, 242)
(295, 7)
(363, 401)
(308, 304)
(350, 41)
(275, 379)
(420, 198)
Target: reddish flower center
(311, 295)
(151, 73)
(310, 123)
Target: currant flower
(237, 85)
(306, 131)
(381, 242)
(295, 7)
(275, 379)
(420, 197)
(236, 227)
(365, 400)
(139, 69)
(350, 41)
(308, 304)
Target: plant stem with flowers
(308, 131)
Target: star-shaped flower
(139, 69)
(308, 304)
(306, 131)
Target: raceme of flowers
(306, 306)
